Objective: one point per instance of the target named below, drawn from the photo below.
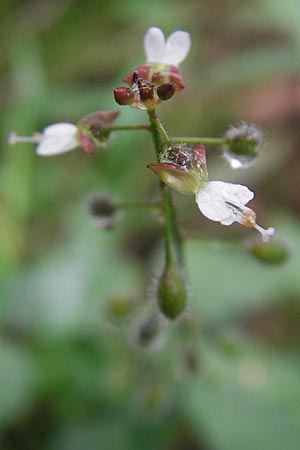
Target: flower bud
(102, 211)
(150, 84)
(147, 332)
(270, 253)
(171, 293)
(124, 95)
(166, 91)
(243, 144)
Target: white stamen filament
(15, 139)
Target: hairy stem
(196, 140)
(173, 242)
(128, 128)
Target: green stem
(128, 128)
(159, 135)
(196, 140)
(173, 242)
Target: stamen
(13, 138)
(265, 234)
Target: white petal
(57, 138)
(154, 45)
(216, 200)
(177, 47)
(214, 208)
(235, 193)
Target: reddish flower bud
(146, 93)
(123, 95)
(166, 91)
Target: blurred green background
(72, 375)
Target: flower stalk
(172, 291)
(196, 140)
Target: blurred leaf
(226, 280)
(18, 377)
(249, 402)
(65, 291)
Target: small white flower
(55, 139)
(225, 203)
(173, 51)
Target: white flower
(225, 203)
(55, 139)
(173, 51)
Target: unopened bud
(147, 332)
(102, 211)
(270, 253)
(146, 94)
(123, 95)
(243, 144)
(171, 293)
(166, 91)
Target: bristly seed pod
(171, 293)
(244, 142)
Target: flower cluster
(159, 78)
(180, 166)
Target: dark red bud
(166, 91)
(123, 95)
(146, 93)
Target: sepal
(93, 129)
(182, 168)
